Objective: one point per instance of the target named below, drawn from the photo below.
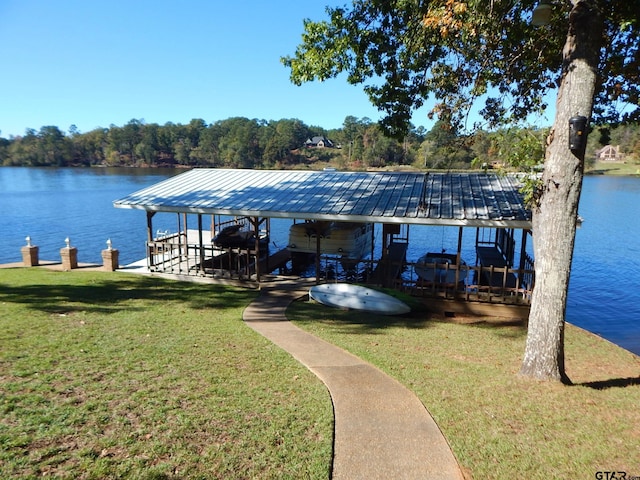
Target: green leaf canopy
(461, 52)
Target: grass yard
(498, 424)
(108, 375)
(608, 168)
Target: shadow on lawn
(612, 383)
(353, 322)
(311, 312)
(116, 294)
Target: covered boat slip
(487, 205)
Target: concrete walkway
(382, 430)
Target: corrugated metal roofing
(473, 199)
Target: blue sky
(94, 63)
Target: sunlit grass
(614, 168)
(498, 424)
(106, 375)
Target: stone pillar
(69, 256)
(110, 259)
(30, 254)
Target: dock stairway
(390, 265)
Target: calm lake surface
(50, 204)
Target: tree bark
(555, 215)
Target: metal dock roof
(463, 199)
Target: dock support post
(201, 253)
(318, 258)
(151, 250)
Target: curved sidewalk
(382, 430)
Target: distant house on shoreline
(319, 142)
(610, 153)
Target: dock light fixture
(67, 242)
(109, 244)
(542, 14)
(28, 239)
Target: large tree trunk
(554, 218)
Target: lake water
(52, 204)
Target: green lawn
(498, 424)
(107, 375)
(606, 168)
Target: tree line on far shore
(250, 143)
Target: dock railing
(165, 251)
(506, 285)
(184, 253)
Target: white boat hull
(356, 297)
(347, 240)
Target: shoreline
(56, 265)
(138, 268)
